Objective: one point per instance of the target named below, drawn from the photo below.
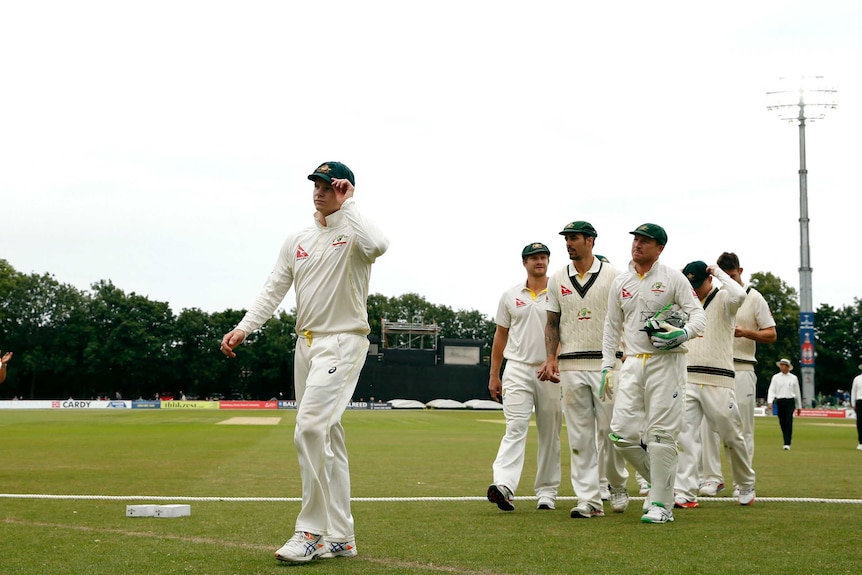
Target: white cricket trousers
(522, 391)
(718, 406)
(588, 422)
(648, 410)
(326, 373)
(745, 387)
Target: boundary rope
(382, 499)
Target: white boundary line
(380, 499)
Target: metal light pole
(806, 99)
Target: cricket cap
(580, 227)
(696, 273)
(328, 171)
(653, 231)
(535, 248)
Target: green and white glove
(670, 338)
(606, 388)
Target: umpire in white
(519, 339)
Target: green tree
(838, 347)
(782, 301)
(130, 348)
(44, 322)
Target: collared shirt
(634, 299)
(522, 312)
(784, 386)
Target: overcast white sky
(165, 145)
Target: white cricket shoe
(859, 447)
(746, 496)
(604, 491)
(711, 488)
(619, 499)
(586, 511)
(546, 502)
(339, 549)
(786, 448)
(643, 488)
(301, 548)
(657, 514)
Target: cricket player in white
(754, 324)
(329, 265)
(520, 338)
(651, 383)
(577, 305)
(710, 392)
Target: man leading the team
(642, 303)
(329, 266)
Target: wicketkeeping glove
(670, 338)
(606, 388)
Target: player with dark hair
(710, 393)
(329, 265)
(577, 305)
(642, 304)
(754, 324)
(519, 339)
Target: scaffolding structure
(409, 335)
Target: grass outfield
(394, 454)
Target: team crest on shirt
(340, 240)
(658, 287)
(519, 303)
(564, 291)
(625, 294)
(584, 313)
(301, 254)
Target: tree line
(103, 341)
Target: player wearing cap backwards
(577, 305)
(520, 339)
(642, 303)
(329, 266)
(710, 392)
(754, 324)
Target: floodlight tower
(805, 98)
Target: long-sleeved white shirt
(633, 299)
(856, 390)
(330, 268)
(784, 386)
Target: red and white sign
(240, 404)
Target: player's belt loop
(308, 337)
